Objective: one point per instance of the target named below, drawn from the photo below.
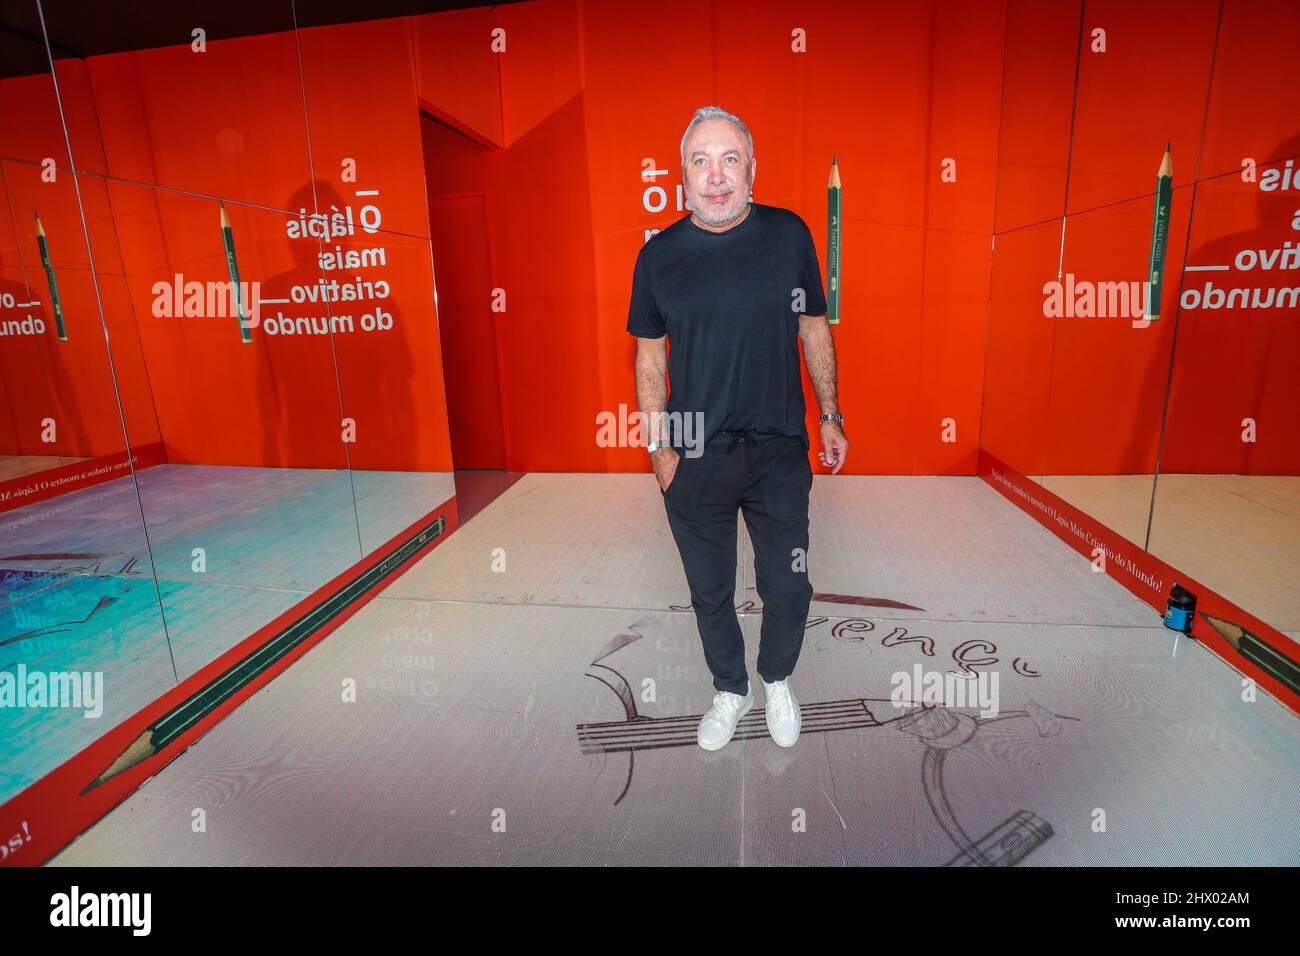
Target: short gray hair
(711, 113)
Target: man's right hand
(665, 461)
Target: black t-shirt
(727, 301)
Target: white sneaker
(719, 723)
(783, 719)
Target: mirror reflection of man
(735, 286)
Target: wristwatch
(837, 418)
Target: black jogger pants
(767, 477)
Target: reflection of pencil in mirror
(55, 305)
(833, 244)
(228, 240)
(1159, 234)
(1255, 649)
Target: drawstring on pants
(742, 438)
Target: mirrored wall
(220, 376)
(1174, 428)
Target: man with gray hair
(736, 286)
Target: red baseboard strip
(53, 482)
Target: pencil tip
(834, 159)
(1168, 143)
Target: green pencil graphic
(228, 240)
(1255, 649)
(55, 305)
(833, 244)
(1159, 234)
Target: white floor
(490, 728)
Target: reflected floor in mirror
(528, 694)
(1237, 534)
(16, 466)
(232, 548)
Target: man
(734, 285)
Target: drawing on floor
(56, 587)
(940, 730)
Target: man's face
(719, 172)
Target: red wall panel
(457, 73)
(1255, 96)
(43, 377)
(964, 100)
(1018, 370)
(1108, 377)
(1149, 86)
(1237, 364)
(228, 122)
(1041, 55)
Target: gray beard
(721, 220)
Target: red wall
(41, 377)
(543, 146)
(893, 90)
(1080, 395)
(164, 134)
